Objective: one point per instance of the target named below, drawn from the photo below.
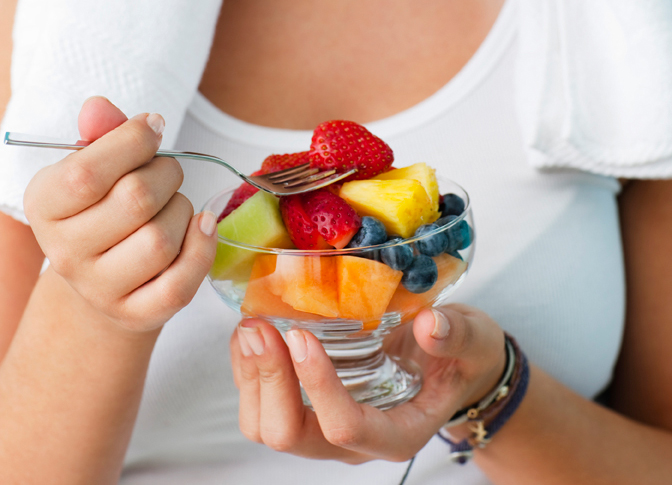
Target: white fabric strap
(594, 85)
(144, 55)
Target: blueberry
(431, 245)
(371, 233)
(397, 257)
(454, 254)
(460, 235)
(451, 205)
(421, 275)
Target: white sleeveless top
(548, 268)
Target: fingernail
(441, 325)
(156, 123)
(254, 339)
(207, 223)
(244, 346)
(93, 97)
(297, 345)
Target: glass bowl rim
(341, 252)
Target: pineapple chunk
(401, 205)
(424, 174)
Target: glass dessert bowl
(350, 298)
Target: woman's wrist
(475, 425)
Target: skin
(90, 316)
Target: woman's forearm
(70, 387)
(559, 438)
(20, 262)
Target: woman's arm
(556, 437)
(20, 256)
(110, 220)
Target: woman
(110, 218)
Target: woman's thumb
(456, 331)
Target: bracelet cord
(488, 418)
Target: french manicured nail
(207, 223)
(297, 345)
(441, 325)
(254, 339)
(156, 123)
(244, 346)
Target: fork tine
(323, 182)
(287, 171)
(309, 178)
(294, 176)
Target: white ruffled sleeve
(594, 85)
(145, 56)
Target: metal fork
(295, 180)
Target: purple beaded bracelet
(491, 413)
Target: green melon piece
(256, 222)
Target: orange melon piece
(262, 297)
(365, 287)
(309, 283)
(410, 304)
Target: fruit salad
(382, 243)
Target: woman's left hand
(459, 348)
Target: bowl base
(383, 382)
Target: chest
(294, 64)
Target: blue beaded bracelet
(492, 412)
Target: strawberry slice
(336, 221)
(240, 195)
(272, 163)
(275, 163)
(302, 230)
(319, 219)
(343, 145)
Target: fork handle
(19, 139)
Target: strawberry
(272, 163)
(319, 219)
(302, 230)
(336, 221)
(240, 195)
(343, 145)
(275, 163)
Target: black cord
(408, 469)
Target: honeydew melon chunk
(257, 222)
(424, 174)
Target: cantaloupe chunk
(309, 283)
(365, 287)
(262, 295)
(410, 304)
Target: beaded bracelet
(490, 413)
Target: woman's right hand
(112, 224)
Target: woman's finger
(470, 340)
(285, 424)
(156, 301)
(344, 423)
(247, 380)
(148, 251)
(135, 199)
(281, 409)
(84, 177)
(97, 117)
